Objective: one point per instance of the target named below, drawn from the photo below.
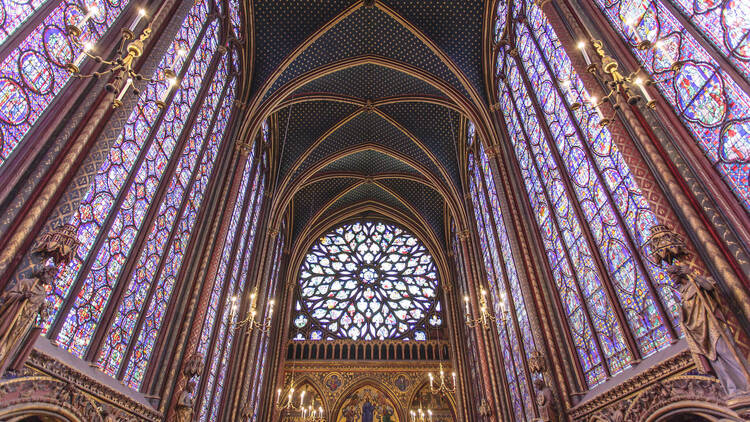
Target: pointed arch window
(514, 329)
(260, 363)
(367, 280)
(712, 98)
(217, 334)
(32, 69)
(110, 301)
(590, 211)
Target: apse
(374, 210)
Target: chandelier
(249, 320)
(288, 405)
(485, 317)
(122, 68)
(443, 387)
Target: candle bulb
(87, 46)
(93, 10)
(430, 380)
(124, 90)
(582, 47)
(278, 395)
(171, 83)
(592, 100)
(302, 399)
(642, 86)
(466, 302)
(454, 379)
(141, 15)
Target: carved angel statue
(705, 329)
(19, 307)
(184, 406)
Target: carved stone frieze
(657, 388)
(672, 366)
(48, 382)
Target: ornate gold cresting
(620, 86)
(703, 319)
(122, 67)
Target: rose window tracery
(364, 281)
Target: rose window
(364, 281)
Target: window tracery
(216, 334)
(367, 280)
(588, 206)
(33, 72)
(709, 100)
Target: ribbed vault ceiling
(367, 103)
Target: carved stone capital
(243, 147)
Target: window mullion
(566, 178)
(29, 25)
(506, 284)
(725, 64)
(635, 256)
(246, 213)
(172, 233)
(584, 303)
(105, 228)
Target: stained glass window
(502, 276)
(367, 280)
(33, 73)
(590, 210)
(710, 101)
(143, 206)
(234, 17)
(217, 334)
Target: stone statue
(19, 308)
(184, 406)
(545, 400)
(705, 331)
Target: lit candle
(320, 409)
(466, 301)
(87, 46)
(429, 412)
(302, 399)
(633, 24)
(642, 86)
(454, 380)
(90, 13)
(430, 374)
(582, 47)
(278, 395)
(171, 83)
(592, 100)
(141, 15)
(124, 89)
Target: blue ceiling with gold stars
(366, 101)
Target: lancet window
(706, 83)
(110, 301)
(33, 71)
(591, 213)
(367, 280)
(514, 329)
(231, 280)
